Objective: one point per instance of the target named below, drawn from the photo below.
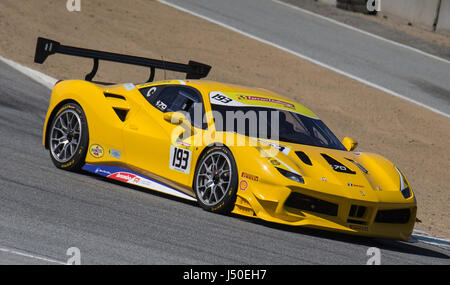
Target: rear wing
(46, 47)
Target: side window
(178, 98)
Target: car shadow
(414, 248)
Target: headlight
(404, 187)
(293, 176)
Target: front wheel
(69, 137)
(216, 179)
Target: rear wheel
(69, 137)
(215, 181)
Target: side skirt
(131, 177)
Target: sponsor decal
(161, 105)
(268, 100)
(359, 228)
(115, 153)
(102, 172)
(129, 86)
(96, 151)
(249, 176)
(132, 179)
(185, 144)
(274, 162)
(128, 176)
(151, 91)
(122, 176)
(243, 185)
(355, 185)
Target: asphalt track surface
(44, 211)
(410, 74)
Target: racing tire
(68, 137)
(216, 180)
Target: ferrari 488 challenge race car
(233, 149)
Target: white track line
(37, 76)
(32, 256)
(360, 31)
(354, 77)
(48, 82)
(427, 238)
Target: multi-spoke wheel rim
(65, 135)
(214, 178)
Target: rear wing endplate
(46, 47)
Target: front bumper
(295, 206)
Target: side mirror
(175, 118)
(349, 144)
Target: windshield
(274, 124)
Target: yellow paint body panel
(144, 141)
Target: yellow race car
(233, 149)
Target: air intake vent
(400, 216)
(357, 211)
(122, 114)
(303, 157)
(307, 203)
(359, 165)
(110, 95)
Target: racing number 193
(222, 98)
(180, 159)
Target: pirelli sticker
(249, 176)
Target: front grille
(400, 216)
(311, 204)
(356, 215)
(357, 211)
(351, 221)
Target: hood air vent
(336, 165)
(303, 157)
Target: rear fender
(104, 124)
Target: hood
(354, 175)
